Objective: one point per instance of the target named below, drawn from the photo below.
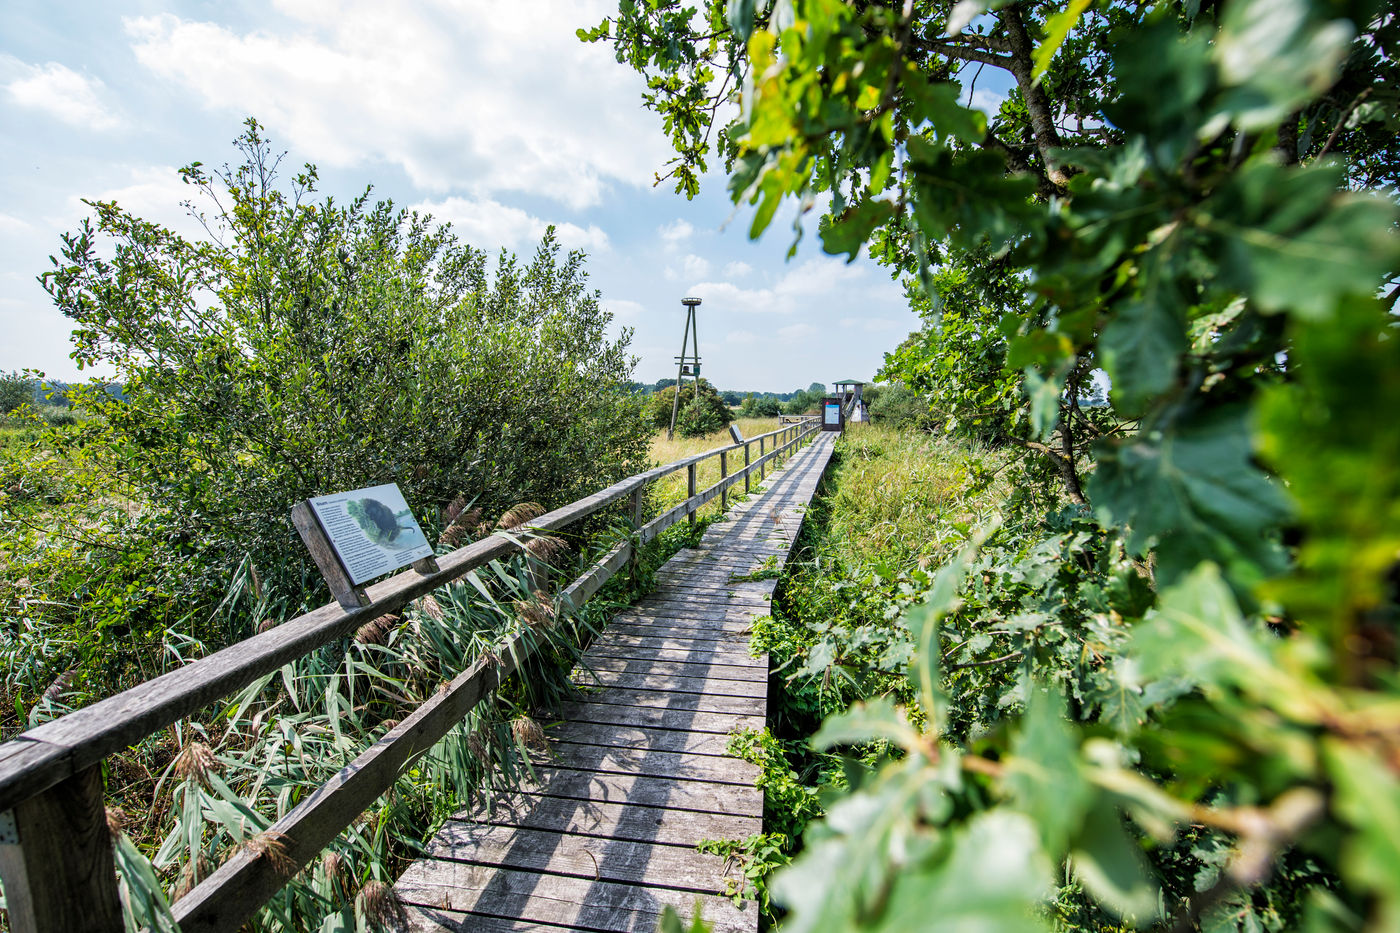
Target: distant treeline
(18, 388)
(735, 398)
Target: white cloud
(624, 308)
(799, 287)
(12, 226)
(737, 269)
(469, 96)
(695, 267)
(676, 231)
(153, 193)
(61, 92)
(874, 325)
(796, 331)
(741, 337)
(989, 102)
(488, 224)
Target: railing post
(746, 467)
(56, 860)
(723, 472)
(690, 488)
(762, 467)
(635, 561)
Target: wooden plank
(327, 559)
(595, 858)
(660, 699)
(58, 870)
(735, 633)
(652, 718)
(666, 740)
(652, 763)
(679, 668)
(643, 790)
(436, 920)
(735, 688)
(642, 643)
(594, 905)
(602, 666)
(710, 619)
(669, 650)
(613, 820)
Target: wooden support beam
(635, 513)
(690, 489)
(56, 860)
(723, 472)
(746, 468)
(344, 590)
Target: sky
(490, 115)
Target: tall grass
(672, 489)
(188, 798)
(905, 497)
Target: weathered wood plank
(678, 668)
(653, 763)
(436, 920)
(591, 857)
(698, 702)
(593, 905)
(666, 740)
(732, 652)
(614, 821)
(643, 790)
(730, 632)
(655, 718)
(675, 647)
(58, 871)
(737, 623)
(734, 688)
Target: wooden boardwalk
(638, 772)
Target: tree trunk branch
(1047, 138)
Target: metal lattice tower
(686, 365)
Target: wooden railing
(56, 860)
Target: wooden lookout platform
(638, 772)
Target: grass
(907, 497)
(672, 489)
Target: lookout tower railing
(56, 856)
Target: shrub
(901, 408)
(714, 411)
(325, 346)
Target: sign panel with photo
(372, 530)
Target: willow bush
(300, 347)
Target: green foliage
(700, 412)
(1197, 200)
(308, 347)
(901, 408)
(16, 389)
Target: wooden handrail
(59, 756)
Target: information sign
(372, 530)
